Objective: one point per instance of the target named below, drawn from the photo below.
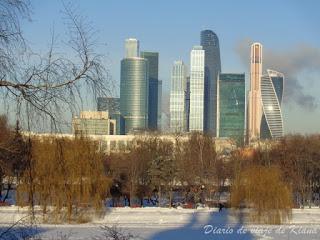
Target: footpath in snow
(166, 224)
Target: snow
(164, 223)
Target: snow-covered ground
(166, 224)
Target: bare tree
(46, 85)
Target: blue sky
(173, 27)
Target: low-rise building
(94, 123)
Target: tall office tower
(254, 98)
(160, 105)
(210, 44)
(196, 118)
(153, 66)
(231, 107)
(134, 88)
(132, 48)
(187, 106)
(112, 106)
(271, 94)
(177, 97)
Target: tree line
(67, 177)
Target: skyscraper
(271, 94)
(153, 66)
(231, 106)
(131, 48)
(197, 86)
(112, 106)
(134, 88)
(254, 98)
(210, 44)
(159, 105)
(177, 97)
(187, 101)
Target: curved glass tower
(210, 44)
(271, 95)
(134, 88)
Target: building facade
(197, 88)
(210, 44)
(271, 94)
(187, 102)
(231, 106)
(134, 93)
(131, 48)
(160, 105)
(93, 123)
(112, 106)
(153, 68)
(254, 116)
(178, 118)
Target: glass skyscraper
(134, 88)
(231, 106)
(210, 44)
(153, 66)
(271, 94)
(254, 96)
(131, 48)
(197, 86)
(187, 101)
(159, 105)
(112, 106)
(178, 97)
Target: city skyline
(299, 44)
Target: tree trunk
(170, 198)
(7, 193)
(0, 187)
(159, 196)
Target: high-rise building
(160, 105)
(231, 106)
(112, 106)
(254, 99)
(153, 66)
(210, 44)
(134, 88)
(178, 97)
(187, 106)
(131, 48)
(197, 86)
(271, 94)
(93, 123)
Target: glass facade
(132, 48)
(210, 44)
(134, 88)
(254, 97)
(231, 104)
(187, 102)
(94, 123)
(271, 94)
(159, 105)
(153, 66)
(112, 105)
(177, 97)
(196, 118)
